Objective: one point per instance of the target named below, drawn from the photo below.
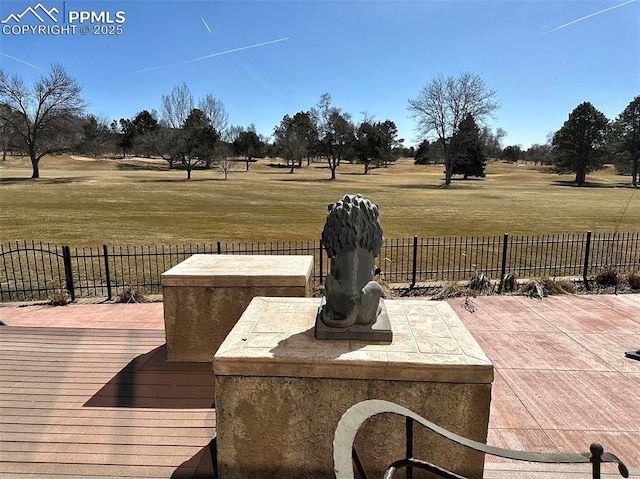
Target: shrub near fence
(30, 270)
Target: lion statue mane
(352, 237)
(352, 221)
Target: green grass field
(80, 202)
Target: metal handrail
(344, 452)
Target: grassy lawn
(133, 202)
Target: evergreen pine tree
(466, 149)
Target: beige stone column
(205, 295)
(280, 392)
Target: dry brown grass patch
(92, 202)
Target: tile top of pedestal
(274, 337)
(240, 270)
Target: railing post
(106, 271)
(219, 249)
(596, 459)
(409, 445)
(356, 460)
(585, 271)
(415, 261)
(503, 269)
(321, 260)
(68, 272)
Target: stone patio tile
(507, 410)
(530, 440)
(535, 350)
(489, 316)
(594, 320)
(565, 302)
(624, 444)
(558, 305)
(510, 304)
(624, 304)
(611, 348)
(578, 400)
(592, 306)
(107, 316)
(635, 377)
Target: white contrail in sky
(22, 61)
(216, 54)
(590, 15)
(205, 23)
(238, 49)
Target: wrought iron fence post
(415, 261)
(68, 272)
(586, 262)
(106, 271)
(438, 260)
(503, 269)
(321, 260)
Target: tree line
(49, 117)
(446, 109)
(450, 112)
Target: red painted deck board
(78, 402)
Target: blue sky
(370, 55)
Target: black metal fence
(31, 270)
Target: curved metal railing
(345, 456)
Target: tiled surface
(577, 400)
(507, 410)
(635, 377)
(275, 336)
(627, 443)
(534, 350)
(562, 381)
(532, 440)
(597, 321)
(103, 316)
(487, 318)
(608, 347)
(240, 270)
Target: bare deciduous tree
(6, 132)
(41, 115)
(223, 160)
(215, 111)
(444, 102)
(176, 106)
(232, 133)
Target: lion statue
(352, 237)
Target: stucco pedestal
(280, 392)
(205, 295)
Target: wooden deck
(82, 403)
(86, 391)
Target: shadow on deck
(150, 381)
